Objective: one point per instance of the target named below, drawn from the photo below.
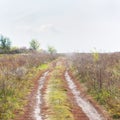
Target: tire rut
(85, 105)
(37, 111)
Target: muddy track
(37, 109)
(84, 104)
(58, 98)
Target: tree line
(34, 46)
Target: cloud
(48, 28)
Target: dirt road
(58, 97)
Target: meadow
(99, 73)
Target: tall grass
(101, 75)
(16, 81)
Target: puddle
(86, 106)
(37, 112)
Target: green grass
(43, 67)
(13, 96)
(57, 97)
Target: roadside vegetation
(100, 74)
(17, 75)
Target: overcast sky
(68, 25)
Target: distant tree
(5, 43)
(34, 44)
(51, 50)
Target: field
(38, 86)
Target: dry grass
(100, 73)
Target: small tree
(34, 44)
(51, 50)
(5, 44)
(98, 68)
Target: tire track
(86, 106)
(37, 110)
